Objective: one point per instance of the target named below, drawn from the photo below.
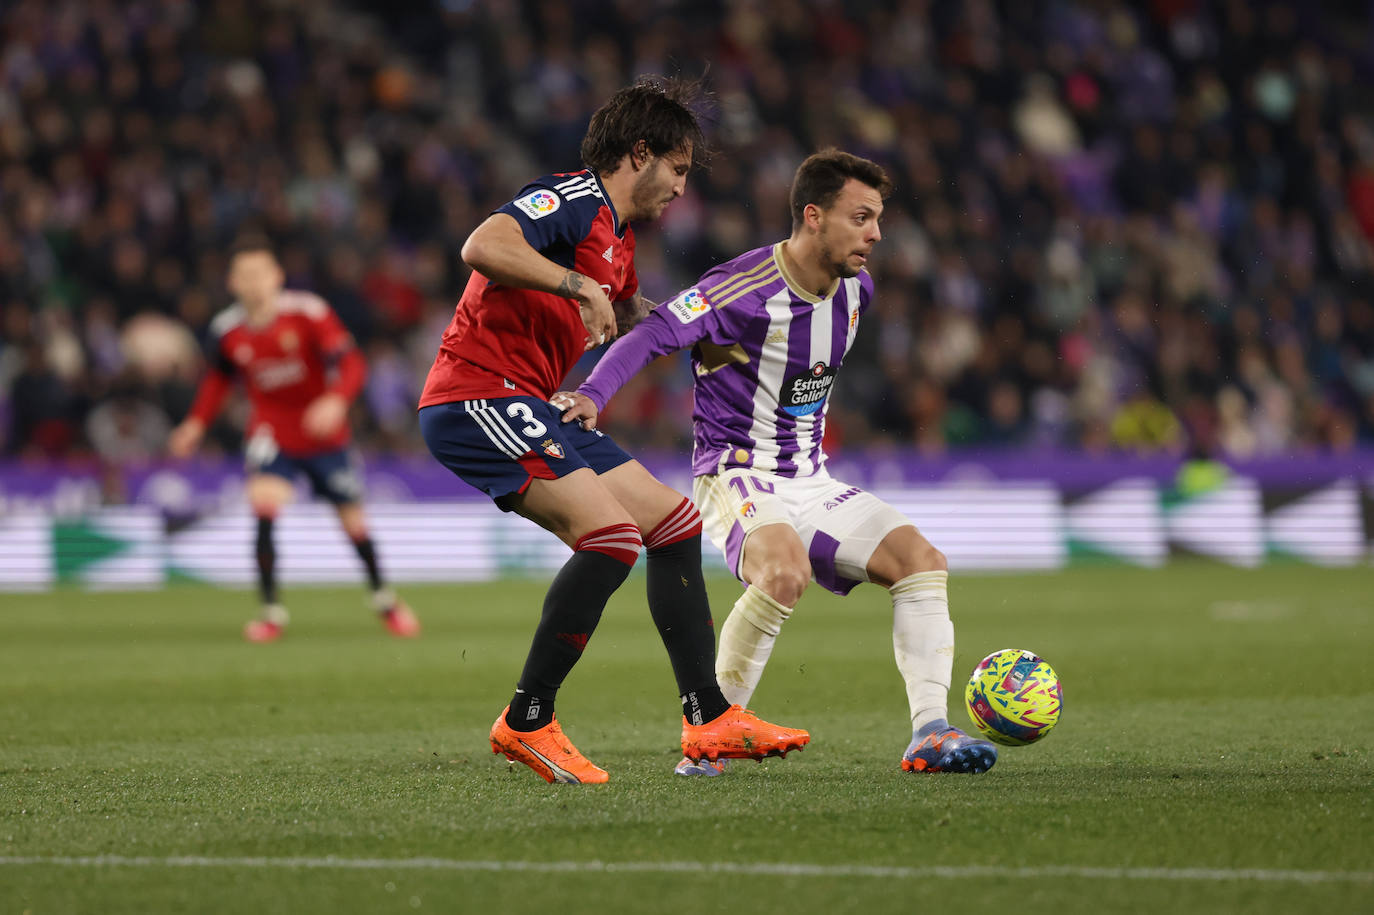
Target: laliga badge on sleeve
(538, 204)
(689, 306)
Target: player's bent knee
(682, 523)
(929, 559)
(619, 541)
(784, 582)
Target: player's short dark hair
(251, 243)
(821, 176)
(655, 110)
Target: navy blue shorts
(334, 475)
(499, 445)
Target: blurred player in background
(554, 270)
(768, 331)
(301, 371)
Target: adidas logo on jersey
(609, 254)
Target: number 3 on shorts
(521, 411)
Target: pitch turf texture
(1215, 754)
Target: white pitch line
(1261, 875)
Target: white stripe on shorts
(500, 434)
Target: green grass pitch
(1216, 753)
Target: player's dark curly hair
(821, 176)
(658, 111)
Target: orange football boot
(739, 734)
(547, 751)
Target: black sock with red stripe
(682, 612)
(572, 607)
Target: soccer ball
(1013, 697)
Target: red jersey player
(548, 266)
(301, 370)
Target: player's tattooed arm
(572, 282)
(498, 250)
(598, 315)
(629, 312)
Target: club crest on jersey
(689, 306)
(748, 509)
(538, 204)
(804, 394)
(243, 354)
(552, 448)
(288, 340)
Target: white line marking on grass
(1244, 611)
(1262, 875)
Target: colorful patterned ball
(1013, 697)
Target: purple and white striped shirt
(765, 353)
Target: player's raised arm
(498, 250)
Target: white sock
(746, 641)
(923, 641)
(275, 614)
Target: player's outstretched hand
(325, 415)
(576, 407)
(185, 438)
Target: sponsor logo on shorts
(832, 504)
(538, 204)
(552, 448)
(689, 306)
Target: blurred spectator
(1117, 225)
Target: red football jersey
(303, 352)
(505, 341)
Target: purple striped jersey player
(768, 331)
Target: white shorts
(841, 525)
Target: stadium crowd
(1117, 226)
